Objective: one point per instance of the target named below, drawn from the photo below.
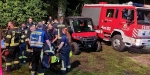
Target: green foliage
(21, 10)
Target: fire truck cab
(125, 25)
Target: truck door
(127, 21)
(107, 20)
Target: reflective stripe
(20, 57)
(24, 57)
(64, 69)
(23, 36)
(8, 36)
(51, 51)
(36, 44)
(7, 64)
(26, 39)
(32, 72)
(61, 25)
(12, 44)
(16, 62)
(22, 41)
(63, 66)
(29, 50)
(59, 37)
(40, 73)
(26, 31)
(69, 66)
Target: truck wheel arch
(117, 31)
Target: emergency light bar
(138, 4)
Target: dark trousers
(36, 60)
(42, 66)
(22, 56)
(12, 56)
(65, 60)
(29, 53)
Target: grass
(107, 62)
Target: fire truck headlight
(137, 42)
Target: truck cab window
(143, 16)
(128, 14)
(83, 25)
(110, 13)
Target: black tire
(117, 43)
(97, 46)
(75, 48)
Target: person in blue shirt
(55, 23)
(52, 34)
(44, 25)
(64, 50)
(37, 39)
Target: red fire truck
(124, 25)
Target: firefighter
(29, 49)
(37, 39)
(59, 31)
(52, 34)
(12, 41)
(22, 46)
(64, 50)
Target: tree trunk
(62, 8)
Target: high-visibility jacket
(12, 38)
(37, 38)
(59, 30)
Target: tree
(21, 10)
(62, 6)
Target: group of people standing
(35, 44)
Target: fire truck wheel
(117, 43)
(75, 48)
(97, 46)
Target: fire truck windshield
(83, 25)
(143, 16)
